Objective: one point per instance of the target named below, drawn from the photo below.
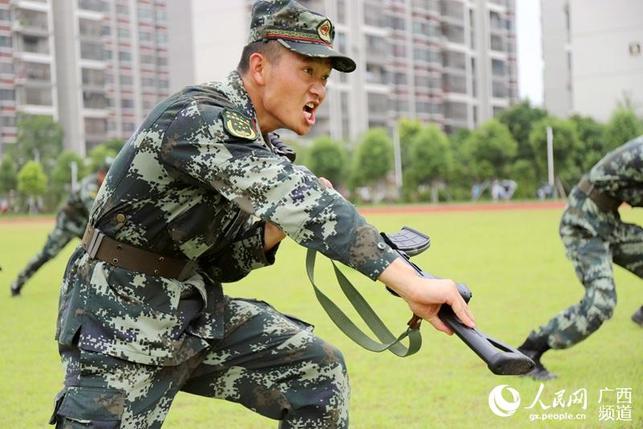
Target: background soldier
(594, 236)
(71, 221)
(198, 197)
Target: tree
(430, 161)
(328, 159)
(592, 138)
(61, 174)
(491, 149)
(373, 158)
(567, 146)
(114, 145)
(102, 152)
(519, 119)
(39, 138)
(8, 174)
(408, 129)
(32, 182)
(622, 127)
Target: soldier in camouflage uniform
(71, 221)
(594, 236)
(196, 198)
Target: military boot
(534, 349)
(638, 317)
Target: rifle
(500, 358)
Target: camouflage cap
(298, 29)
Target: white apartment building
(592, 50)
(452, 62)
(96, 66)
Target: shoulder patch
(238, 125)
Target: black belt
(122, 255)
(601, 199)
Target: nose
(319, 89)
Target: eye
(308, 70)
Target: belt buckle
(94, 243)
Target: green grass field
(512, 260)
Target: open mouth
(310, 113)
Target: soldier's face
(295, 88)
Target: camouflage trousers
(293, 377)
(592, 244)
(64, 231)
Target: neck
(266, 121)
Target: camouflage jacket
(620, 173)
(198, 180)
(73, 215)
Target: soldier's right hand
(425, 296)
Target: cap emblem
(324, 30)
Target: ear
(257, 68)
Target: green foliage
(32, 180)
(491, 149)
(567, 150)
(407, 129)
(61, 174)
(373, 157)
(39, 137)
(622, 127)
(522, 171)
(102, 152)
(8, 174)
(300, 150)
(327, 158)
(114, 145)
(520, 119)
(430, 160)
(593, 141)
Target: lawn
(512, 260)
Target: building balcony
(37, 5)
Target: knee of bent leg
(330, 365)
(601, 303)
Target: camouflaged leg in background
(592, 258)
(56, 241)
(270, 363)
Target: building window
(7, 95)
(93, 77)
(92, 51)
(95, 100)
(5, 41)
(6, 68)
(94, 126)
(36, 96)
(93, 5)
(124, 56)
(5, 15)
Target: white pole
(398, 159)
(74, 175)
(550, 156)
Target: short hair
(271, 49)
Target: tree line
(35, 172)
(440, 167)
